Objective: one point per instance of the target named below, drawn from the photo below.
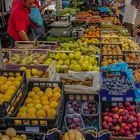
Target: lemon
(3, 78)
(12, 87)
(56, 89)
(31, 94)
(23, 109)
(40, 93)
(53, 104)
(9, 92)
(49, 94)
(4, 88)
(9, 83)
(17, 74)
(30, 105)
(11, 78)
(57, 95)
(19, 78)
(48, 90)
(22, 115)
(40, 114)
(28, 100)
(44, 97)
(38, 106)
(16, 83)
(45, 102)
(31, 110)
(46, 108)
(36, 101)
(36, 89)
(51, 113)
(36, 97)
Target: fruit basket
(94, 120)
(35, 72)
(121, 119)
(111, 49)
(40, 109)
(74, 121)
(110, 59)
(122, 90)
(77, 83)
(22, 135)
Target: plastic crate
(106, 96)
(49, 123)
(7, 107)
(112, 46)
(48, 71)
(83, 98)
(30, 135)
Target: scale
(61, 28)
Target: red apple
(117, 128)
(116, 116)
(135, 124)
(129, 125)
(114, 121)
(138, 119)
(106, 118)
(134, 129)
(116, 109)
(128, 133)
(138, 125)
(105, 125)
(125, 118)
(126, 128)
(120, 106)
(122, 132)
(109, 119)
(120, 120)
(126, 104)
(138, 114)
(123, 125)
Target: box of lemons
(11, 90)
(41, 106)
(12, 134)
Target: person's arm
(45, 5)
(23, 35)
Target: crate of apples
(121, 119)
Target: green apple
(71, 56)
(77, 55)
(60, 62)
(67, 62)
(63, 56)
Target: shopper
(129, 17)
(38, 31)
(19, 20)
(136, 3)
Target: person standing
(129, 17)
(19, 20)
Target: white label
(32, 129)
(117, 99)
(104, 98)
(129, 99)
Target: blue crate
(104, 136)
(105, 96)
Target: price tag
(32, 129)
(129, 98)
(117, 98)
(104, 98)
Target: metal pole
(1, 56)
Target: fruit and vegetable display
(121, 119)
(112, 20)
(128, 44)
(110, 59)
(11, 134)
(40, 104)
(92, 32)
(34, 72)
(60, 39)
(77, 82)
(110, 40)
(111, 50)
(90, 40)
(8, 87)
(136, 74)
(68, 11)
(118, 84)
(98, 72)
(132, 57)
(73, 61)
(79, 46)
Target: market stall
(81, 83)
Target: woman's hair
(135, 2)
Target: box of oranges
(41, 108)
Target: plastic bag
(36, 17)
(81, 76)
